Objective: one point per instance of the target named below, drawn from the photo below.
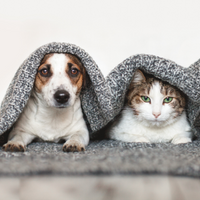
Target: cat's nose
(156, 115)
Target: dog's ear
(86, 79)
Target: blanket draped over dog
(103, 99)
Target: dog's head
(59, 79)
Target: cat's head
(154, 102)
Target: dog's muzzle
(61, 96)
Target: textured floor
(103, 158)
(100, 188)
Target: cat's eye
(168, 100)
(145, 99)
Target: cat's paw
(73, 146)
(142, 140)
(181, 140)
(14, 146)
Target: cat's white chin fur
(130, 129)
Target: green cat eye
(145, 99)
(168, 99)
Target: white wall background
(109, 30)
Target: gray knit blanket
(101, 101)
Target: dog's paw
(73, 146)
(181, 140)
(13, 146)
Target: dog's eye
(74, 71)
(45, 72)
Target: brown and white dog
(53, 111)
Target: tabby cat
(154, 112)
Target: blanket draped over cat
(103, 98)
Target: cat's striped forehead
(145, 86)
(165, 88)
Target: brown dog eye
(74, 71)
(45, 72)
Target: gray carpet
(103, 158)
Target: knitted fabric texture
(103, 99)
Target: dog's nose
(61, 96)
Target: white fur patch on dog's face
(59, 79)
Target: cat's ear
(138, 77)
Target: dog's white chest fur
(54, 123)
(51, 124)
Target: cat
(154, 112)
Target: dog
(53, 111)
